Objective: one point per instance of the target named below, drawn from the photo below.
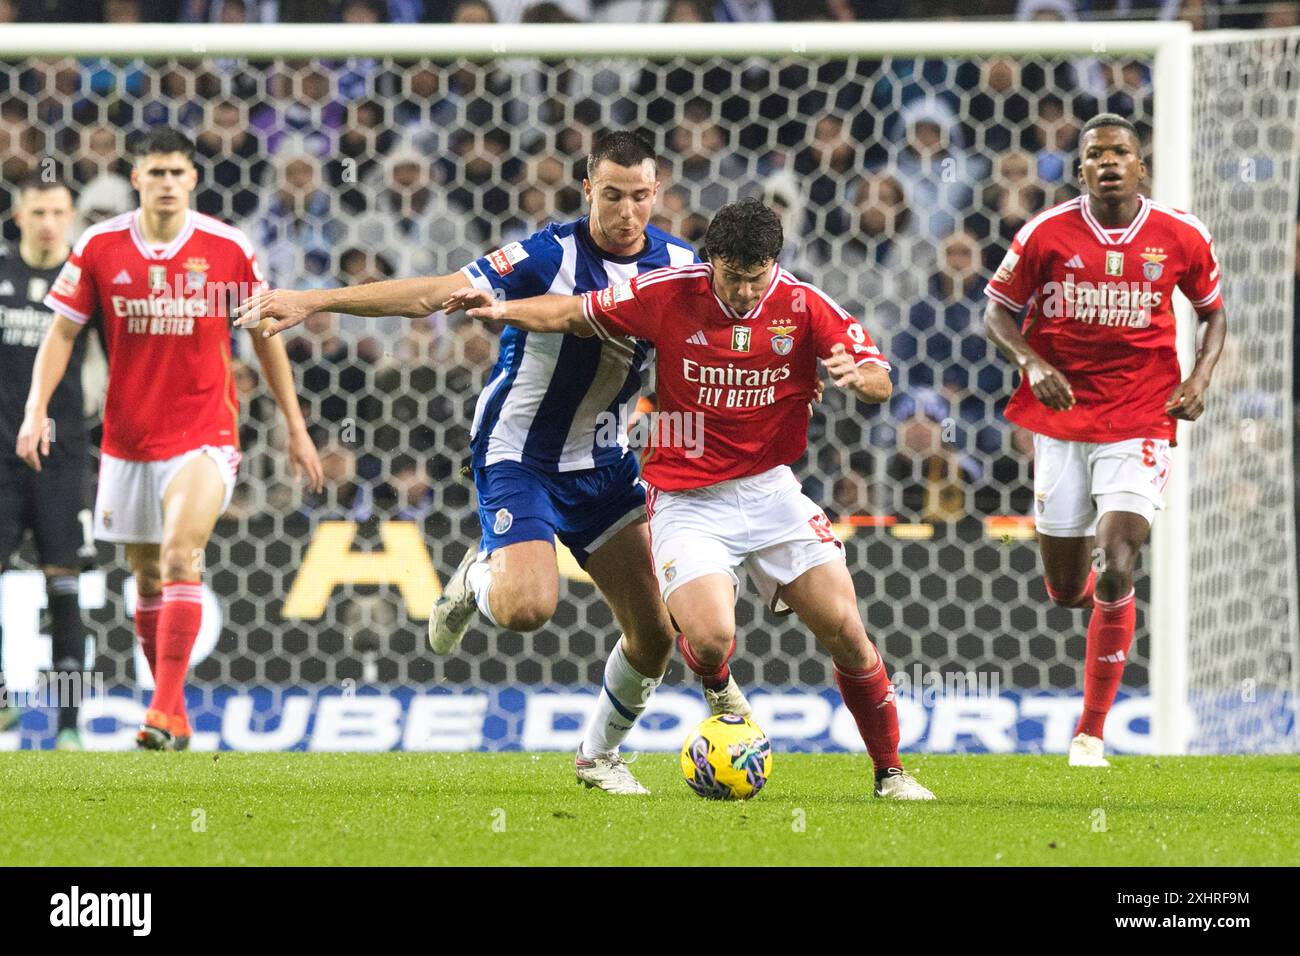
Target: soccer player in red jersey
(1101, 387)
(162, 280)
(738, 340)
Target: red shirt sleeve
(73, 294)
(621, 310)
(833, 326)
(1200, 283)
(1017, 277)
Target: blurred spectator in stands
(872, 269)
(825, 167)
(409, 221)
(229, 11)
(8, 11)
(406, 494)
(933, 166)
(231, 158)
(998, 107)
(781, 194)
(929, 471)
(688, 11)
(473, 11)
(342, 498)
(1082, 74)
(300, 105)
(706, 165)
(103, 198)
(1007, 203)
(363, 144)
(20, 141)
(100, 153)
(1054, 140)
(743, 11)
(295, 228)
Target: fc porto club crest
(1114, 263)
(740, 338)
(1153, 264)
(157, 278)
(782, 338)
(504, 520)
(196, 272)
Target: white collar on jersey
(731, 313)
(1115, 237)
(173, 247)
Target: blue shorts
(517, 502)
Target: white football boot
(608, 772)
(728, 699)
(897, 784)
(452, 612)
(1087, 751)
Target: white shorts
(128, 505)
(764, 521)
(1075, 483)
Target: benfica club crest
(1153, 264)
(196, 272)
(782, 338)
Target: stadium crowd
(900, 185)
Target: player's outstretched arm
(303, 459)
(285, 308)
(542, 313)
(871, 382)
(51, 363)
(1048, 385)
(1187, 401)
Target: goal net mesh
(900, 181)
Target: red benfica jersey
(733, 389)
(1100, 309)
(165, 313)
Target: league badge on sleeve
(68, 280)
(503, 261)
(1008, 267)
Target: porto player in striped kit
(738, 340)
(162, 281)
(1101, 387)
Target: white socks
(623, 698)
(479, 579)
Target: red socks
(869, 696)
(1110, 635)
(713, 678)
(147, 607)
(1084, 599)
(178, 626)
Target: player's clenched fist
(1049, 386)
(1187, 401)
(284, 308)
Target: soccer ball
(727, 757)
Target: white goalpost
(1223, 619)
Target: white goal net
(901, 179)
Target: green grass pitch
(134, 809)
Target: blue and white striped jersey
(543, 404)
